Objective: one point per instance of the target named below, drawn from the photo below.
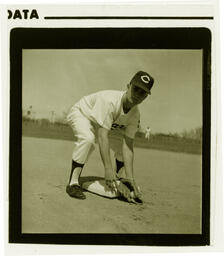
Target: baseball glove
(129, 191)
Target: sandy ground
(170, 182)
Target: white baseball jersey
(105, 108)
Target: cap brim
(144, 88)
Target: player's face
(137, 94)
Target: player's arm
(128, 146)
(105, 155)
(128, 156)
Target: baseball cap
(143, 80)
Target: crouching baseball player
(94, 116)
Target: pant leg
(84, 135)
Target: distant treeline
(188, 141)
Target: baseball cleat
(75, 191)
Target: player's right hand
(110, 178)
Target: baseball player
(147, 133)
(93, 116)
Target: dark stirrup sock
(119, 165)
(74, 165)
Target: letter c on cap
(145, 79)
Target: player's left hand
(132, 186)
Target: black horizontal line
(128, 17)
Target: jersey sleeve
(132, 127)
(102, 113)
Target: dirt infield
(170, 182)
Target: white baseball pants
(85, 137)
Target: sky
(54, 80)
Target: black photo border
(103, 38)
